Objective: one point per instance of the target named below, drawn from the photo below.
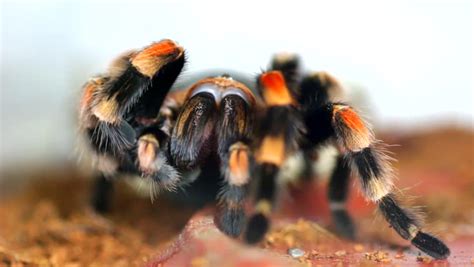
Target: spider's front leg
(116, 105)
(278, 134)
(134, 87)
(366, 156)
(234, 127)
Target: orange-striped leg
(115, 104)
(372, 165)
(230, 217)
(132, 90)
(278, 136)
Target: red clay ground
(50, 223)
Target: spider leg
(317, 90)
(106, 163)
(230, 217)
(364, 155)
(337, 193)
(314, 91)
(102, 191)
(102, 135)
(279, 132)
(233, 129)
(152, 159)
(134, 87)
(115, 104)
(372, 165)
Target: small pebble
(296, 252)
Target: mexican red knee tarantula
(135, 125)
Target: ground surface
(49, 223)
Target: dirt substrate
(49, 222)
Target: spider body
(135, 125)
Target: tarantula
(135, 125)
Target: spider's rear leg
(101, 195)
(337, 192)
(279, 133)
(364, 155)
(371, 163)
(318, 89)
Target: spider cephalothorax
(136, 126)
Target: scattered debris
(424, 259)
(378, 256)
(298, 234)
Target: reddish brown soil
(49, 223)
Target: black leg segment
(102, 194)
(337, 193)
(407, 225)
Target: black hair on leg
(407, 225)
(279, 135)
(233, 129)
(259, 223)
(289, 65)
(192, 134)
(230, 217)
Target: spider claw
(257, 227)
(344, 224)
(431, 245)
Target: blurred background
(413, 59)
(408, 65)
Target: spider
(135, 125)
